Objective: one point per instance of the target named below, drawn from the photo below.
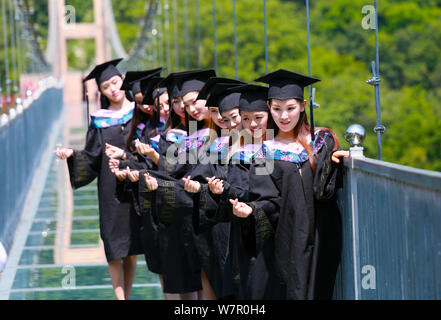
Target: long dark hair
(302, 125)
(140, 117)
(104, 102)
(173, 122)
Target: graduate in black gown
(132, 84)
(144, 131)
(177, 253)
(292, 190)
(216, 231)
(176, 195)
(118, 224)
(214, 92)
(254, 117)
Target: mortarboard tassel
(86, 96)
(158, 109)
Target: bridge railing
(23, 137)
(391, 216)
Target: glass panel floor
(63, 257)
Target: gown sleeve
(147, 200)
(84, 165)
(265, 199)
(137, 162)
(127, 192)
(205, 203)
(327, 177)
(165, 203)
(169, 203)
(236, 185)
(166, 150)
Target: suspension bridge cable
(186, 36)
(17, 39)
(167, 32)
(5, 45)
(154, 42)
(214, 35)
(266, 37)
(379, 128)
(175, 34)
(14, 49)
(113, 31)
(198, 34)
(311, 106)
(235, 41)
(308, 42)
(160, 37)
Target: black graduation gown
(288, 205)
(211, 243)
(178, 259)
(238, 264)
(212, 238)
(119, 226)
(148, 234)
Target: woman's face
(111, 89)
(164, 108)
(178, 106)
(286, 113)
(255, 122)
(216, 117)
(231, 118)
(195, 108)
(146, 108)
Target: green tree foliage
(341, 55)
(129, 15)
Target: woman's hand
(133, 175)
(139, 98)
(114, 152)
(216, 185)
(339, 154)
(144, 149)
(241, 209)
(121, 175)
(151, 183)
(191, 186)
(113, 165)
(64, 153)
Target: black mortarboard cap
(100, 73)
(149, 85)
(159, 91)
(132, 79)
(172, 86)
(151, 89)
(284, 84)
(204, 94)
(193, 80)
(222, 98)
(104, 71)
(252, 97)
